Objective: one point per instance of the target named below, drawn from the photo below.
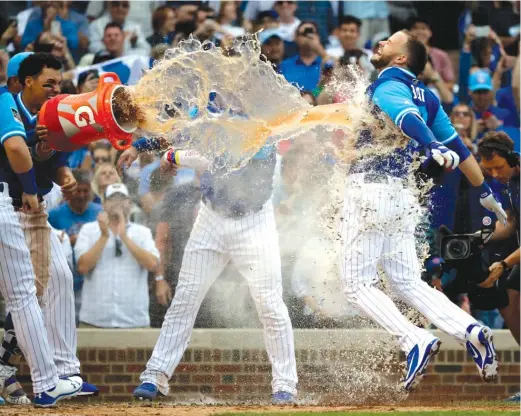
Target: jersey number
(419, 93)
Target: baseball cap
(14, 63)
(116, 189)
(480, 80)
(267, 34)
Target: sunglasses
(119, 251)
(280, 3)
(123, 4)
(461, 113)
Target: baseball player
(17, 279)
(380, 215)
(235, 223)
(40, 78)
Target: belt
(230, 212)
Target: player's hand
(489, 201)
(496, 271)
(42, 133)
(69, 186)
(103, 221)
(444, 156)
(166, 166)
(30, 204)
(163, 293)
(127, 158)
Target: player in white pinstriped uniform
(57, 297)
(234, 223)
(380, 215)
(17, 280)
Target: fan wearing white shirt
(288, 23)
(115, 257)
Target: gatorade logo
(84, 116)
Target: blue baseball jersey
(397, 93)
(17, 120)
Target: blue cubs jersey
(17, 120)
(397, 93)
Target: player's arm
(143, 144)
(12, 138)
(503, 231)
(447, 135)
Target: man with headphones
(498, 158)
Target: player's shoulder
(391, 86)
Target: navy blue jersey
(17, 120)
(397, 93)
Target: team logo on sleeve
(16, 115)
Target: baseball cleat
(513, 399)
(480, 347)
(417, 361)
(65, 389)
(87, 389)
(14, 393)
(282, 397)
(146, 391)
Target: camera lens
(457, 249)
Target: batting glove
(489, 201)
(443, 155)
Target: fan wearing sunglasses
(115, 257)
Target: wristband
(484, 190)
(145, 144)
(170, 156)
(504, 264)
(28, 181)
(159, 278)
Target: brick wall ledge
(253, 338)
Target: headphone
(511, 156)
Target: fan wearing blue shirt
(304, 69)
(379, 221)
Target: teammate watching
(385, 237)
(499, 159)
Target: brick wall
(332, 368)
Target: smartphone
(56, 27)
(486, 115)
(482, 31)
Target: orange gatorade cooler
(74, 121)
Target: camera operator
(499, 159)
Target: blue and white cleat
(417, 361)
(481, 348)
(282, 397)
(65, 389)
(89, 390)
(146, 391)
(14, 393)
(513, 399)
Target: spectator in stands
(266, 20)
(508, 97)
(231, 20)
(436, 84)
(104, 175)
(490, 117)
(464, 121)
(288, 23)
(88, 81)
(56, 45)
(439, 59)
(9, 38)
(51, 20)
(322, 13)
(134, 41)
(272, 46)
(309, 97)
(373, 14)
(115, 256)
(114, 42)
(100, 153)
(163, 24)
(304, 69)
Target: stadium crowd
(117, 284)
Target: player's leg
(362, 249)
(256, 254)
(203, 261)
(18, 289)
(402, 266)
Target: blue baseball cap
(14, 63)
(480, 80)
(267, 34)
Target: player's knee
(271, 307)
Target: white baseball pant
(377, 229)
(252, 244)
(57, 293)
(19, 291)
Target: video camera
(466, 251)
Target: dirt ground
(162, 409)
